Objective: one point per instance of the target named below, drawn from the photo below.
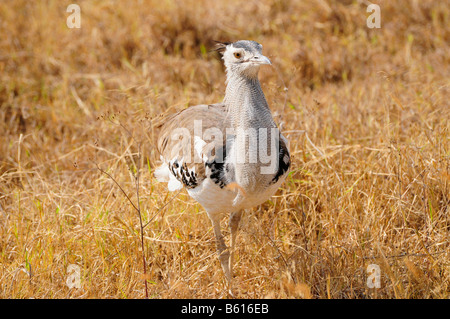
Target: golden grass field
(366, 112)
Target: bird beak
(260, 59)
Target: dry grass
(367, 115)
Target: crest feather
(221, 46)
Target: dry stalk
(137, 206)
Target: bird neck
(249, 115)
(246, 103)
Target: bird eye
(237, 55)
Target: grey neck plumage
(248, 111)
(246, 103)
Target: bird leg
(235, 218)
(224, 253)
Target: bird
(229, 156)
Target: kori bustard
(229, 156)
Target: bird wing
(183, 148)
(284, 158)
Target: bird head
(243, 57)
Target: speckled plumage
(219, 172)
